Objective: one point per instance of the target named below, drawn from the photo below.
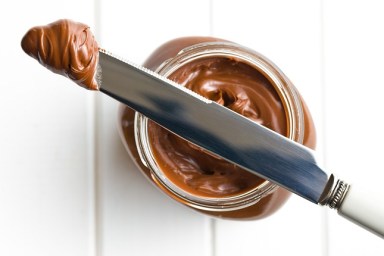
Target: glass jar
(238, 78)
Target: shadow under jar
(240, 79)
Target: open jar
(240, 79)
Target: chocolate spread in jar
(235, 85)
(67, 48)
(266, 205)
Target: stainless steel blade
(214, 127)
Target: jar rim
(285, 89)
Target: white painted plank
(44, 176)
(354, 128)
(288, 33)
(134, 217)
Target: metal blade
(214, 127)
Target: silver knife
(256, 148)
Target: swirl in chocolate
(67, 48)
(233, 84)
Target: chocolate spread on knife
(233, 84)
(67, 48)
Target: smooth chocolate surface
(67, 48)
(233, 84)
(266, 206)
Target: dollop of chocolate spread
(233, 84)
(67, 48)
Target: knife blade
(238, 139)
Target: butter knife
(256, 148)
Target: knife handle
(364, 208)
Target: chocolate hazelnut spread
(237, 86)
(67, 48)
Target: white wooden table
(67, 187)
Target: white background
(67, 187)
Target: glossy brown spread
(67, 48)
(233, 84)
(266, 205)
